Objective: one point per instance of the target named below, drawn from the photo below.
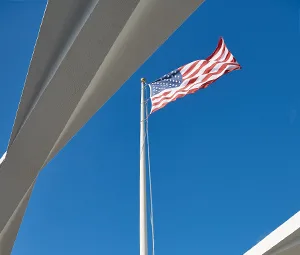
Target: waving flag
(192, 77)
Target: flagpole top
(143, 80)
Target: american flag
(192, 77)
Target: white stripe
(168, 100)
(172, 93)
(214, 70)
(201, 71)
(201, 76)
(218, 53)
(194, 69)
(231, 59)
(224, 55)
(187, 67)
(198, 84)
(169, 91)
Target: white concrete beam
(85, 51)
(285, 240)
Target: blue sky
(225, 161)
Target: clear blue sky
(225, 161)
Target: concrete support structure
(84, 53)
(285, 240)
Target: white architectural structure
(85, 51)
(285, 240)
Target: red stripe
(191, 67)
(222, 53)
(178, 96)
(208, 69)
(205, 62)
(220, 70)
(191, 81)
(228, 56)
(161, 95)
(216, 50)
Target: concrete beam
(84, 53)
(285, 240)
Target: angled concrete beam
(80, 45)
(285, 240)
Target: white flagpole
(143, 200)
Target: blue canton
(168, 81)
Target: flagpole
(143, 199)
